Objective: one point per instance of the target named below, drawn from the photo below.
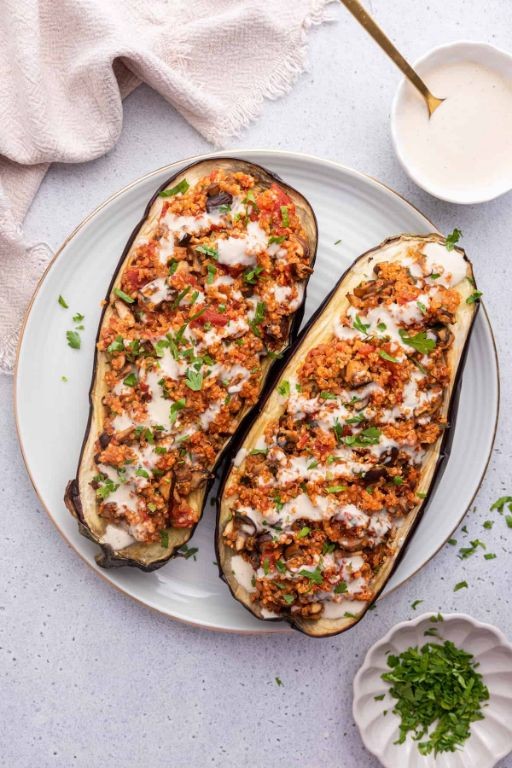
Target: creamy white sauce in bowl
(463, 153)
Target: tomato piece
(365, 349)
(213, 317)
(280, 195)
(182, 516)
(133, 279)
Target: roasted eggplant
(208, 293)
(334, 473)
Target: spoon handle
(364, 18)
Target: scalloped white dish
(491, 738)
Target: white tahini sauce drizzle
(467, 143)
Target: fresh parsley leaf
(173, 266)
(180, 189)
(460, 585)
(117, 345)
(500, 503)
(368, 436)
(415, 604)
(164, 539)
(452, 239)
(211, 270)
(194, 379)
(73, 339)
(474, 297)
(303, 532)
(327, 396)
(420, 341)
(175, 409)
(278, 681)
(78, 318)
(336, 488)
(314, 576)
(489, 556)
(251, 275)
(285, 218)
(422, 308)
(284, 388)
(360, 326)
(124, 296)
(386, 356)
(130, 380)
(340, 588)
(277, 240)
(62, 302)
(188, 552)
(207, 251)
(64, 378)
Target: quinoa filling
(316, 503)
(202, 306)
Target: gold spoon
(364, 18)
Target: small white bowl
(491, 738)
(481, 53)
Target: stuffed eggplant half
(208, 294)
(332, 476)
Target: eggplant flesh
(284, 228)
(333, 475)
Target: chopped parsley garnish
(474, 297)
(117, 345)
(452, 239)
(207, 251)
(266, 566)
(356, 419)
(278, 681)
(181, 295)
(251, 275)
(313, 464)
(142, 473)
(338, 432)
(336, 488)
(62, 302)
(340, 588)
(258, 317)
(488, 524)
(337, 242)
(360, 326)
(500, 503)
(281, 567)
(386, 356)
(73, 339)
(420, 341)
(108, 486)
(278, 240)
(124, 296)
(422, 308)
(379, 697)
(508, 520)
(285, 218)
(278, 503)
(194, 379)
(289, 599)
(187, 552)
(415, 604)
(327, 396)
(224, 208)
(164, 539)
(381, 326)
(180, 189)
(420, 494)
(460, 585)
(284, 388)
(398, 480)
(314, 576)
(130, 380)
(173, 266)
(438, 695)
(465, 552)
(258, 452)
(328, 547)
(78, 318)
(211, 273)
(64, 378)
(452, 542)
(175, 409)
(489, 556)
(368, 436)
(303, 532)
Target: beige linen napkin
(67, 64)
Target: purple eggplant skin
(108, 558)
(444, 450)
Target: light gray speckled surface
(90, 678)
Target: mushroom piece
(372, 288)
(357, 374)
(215, 200)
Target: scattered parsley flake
(73, 339)
(415, 604)
(452, 239)
(62, 301)
(460, 585)
(180, 189)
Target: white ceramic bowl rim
(396, 628)
(413, 173)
